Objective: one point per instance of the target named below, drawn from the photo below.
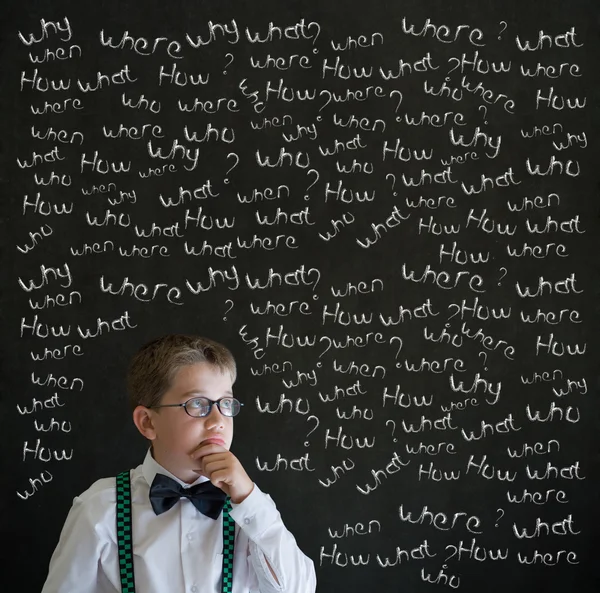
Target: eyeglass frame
(211, 403)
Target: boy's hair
(154, 365)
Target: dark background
(103, 438)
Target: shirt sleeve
(270, 541)
(74, 566)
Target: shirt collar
(151, 467)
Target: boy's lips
(217, 440)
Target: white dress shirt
(179, 551)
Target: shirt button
(194, 589)
(190, 537)
(248, 520)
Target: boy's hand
(224, 470)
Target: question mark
(500, 517)
(393, 181)
(228, 301)
(393, 428)
(484, 112)
(237, 160)
(401, 343)
(229, 64)
(501, 277)
(399, 102)
(306, 196)
(306, 443)
(502, 31)
(484, 359)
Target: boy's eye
(197, 402)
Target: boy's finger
(206, 449)
(213, 463)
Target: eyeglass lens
(201, 406)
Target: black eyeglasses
(198, 407)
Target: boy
(181, 390)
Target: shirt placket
(201, 547)
(190, 546)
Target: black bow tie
(206, 497)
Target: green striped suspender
(124, 538)
(228, 539)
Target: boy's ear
(143, 420)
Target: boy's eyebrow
(228, 392)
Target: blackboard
(387, 211)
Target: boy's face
(176, 433)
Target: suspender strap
(228, 540)
(124, 538)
